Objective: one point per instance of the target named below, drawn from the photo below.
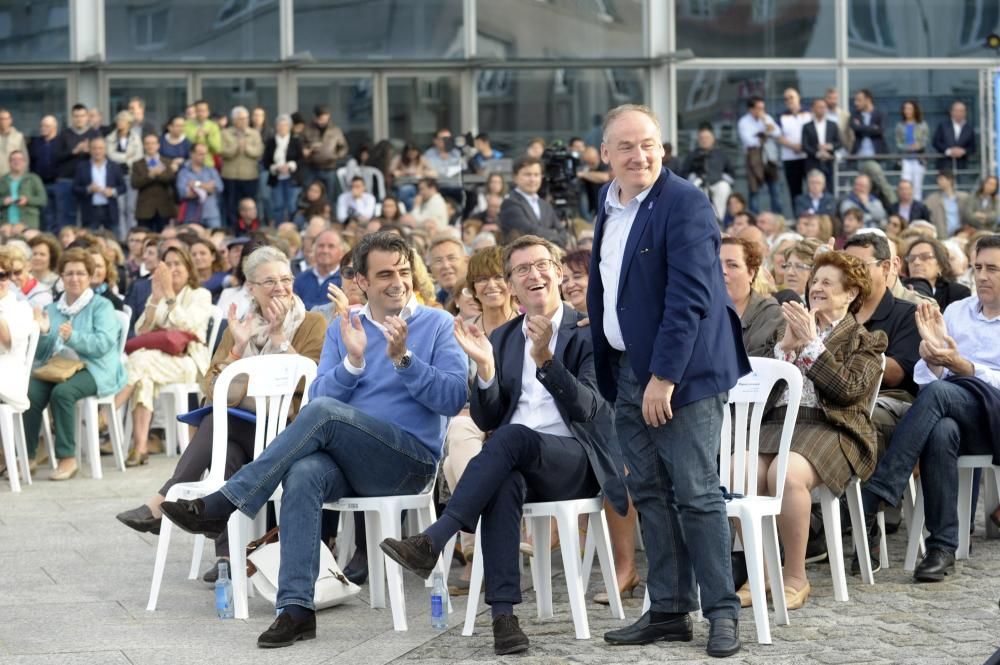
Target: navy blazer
(81, 182)
(676, 317)
(803, 203)
(944, 138)
(572, 382)
(875, 131)
(810, 146)
(518, 219)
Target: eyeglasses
(71, 275)
(483, 281)
(926, 256)
(801, 267)
(269, 284)
(348, 273)
(541, 265)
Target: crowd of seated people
(258, 222)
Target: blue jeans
(65, 204)
(674, 482)
(284, 197)
(407, 193)
(943, 423)
(773, 191)
(330, 451)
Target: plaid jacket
(845, 376)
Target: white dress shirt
(617, 226)
(957, 128)
(820, 130)
(749, 127)
(977, 339)
(791, 128)
(99, 176)
(536, 408)
(532, 200)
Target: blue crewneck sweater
(419, 399)
(311, 291)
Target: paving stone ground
(74, 585)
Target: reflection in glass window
(420, 105)
(30, 99)
(921, 28)
(756, 28)
(222, 94)
(517, 105)
(559, 28)
(350, 102)
(35, 31)
(191, 30)
(379, 29)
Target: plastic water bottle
(224, 593)
(439, 603)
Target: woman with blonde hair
(177, 302)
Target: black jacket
(944, 138)
(572, 382)
(810, 144)
(874, 130)
(292, 154)
(518, 219)
(917, 211)
(709, 165)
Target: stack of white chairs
(15, 446)
(272, 381)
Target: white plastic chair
(756, 512)
(272, 382)
(383, 519)
(538, 516)
(830, 505)
(991, 491)
(87, 418)
(15, 446)
(174, 396)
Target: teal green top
(94, 339)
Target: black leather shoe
(190, 516)
(141, 519)
(508, 636)
(935, 566)
(286, 631)
(644, 631)
(212, 574)
(416, 553)
(356, 569)
(724, 638)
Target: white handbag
(264, 560)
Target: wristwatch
(405, 361)
(284, 346)
(170, 301)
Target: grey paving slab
(74, 585)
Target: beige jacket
(13, 140)
(241, 162)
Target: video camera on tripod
(559, 181)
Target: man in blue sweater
(389, 378)
(311, 285)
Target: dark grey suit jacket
(518, 219)
(572, 382)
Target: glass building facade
(518, 69)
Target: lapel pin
(650, 206)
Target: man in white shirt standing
(792, 156)
(758, 131)
(959, 375)
(552, 433)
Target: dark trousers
(517, 464)
(156, 223)
(795, 173)
(232, 193)
(50, 213)
(197, 457)
(944, 422)
(62, 399)
(100, 217)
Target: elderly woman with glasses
(276, 323)
(80, 325)
(177, 302)
(798, 264)
(37, 293)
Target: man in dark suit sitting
(524, 212)
(552, 433)
(817, 198)
(668, 348)
(955, 138)
(820, 142)
(908, 207)
(97, 185)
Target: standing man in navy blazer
(667, 347)
(97, 185)
(955, 138)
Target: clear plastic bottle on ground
(224, 593)
(439, 603)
